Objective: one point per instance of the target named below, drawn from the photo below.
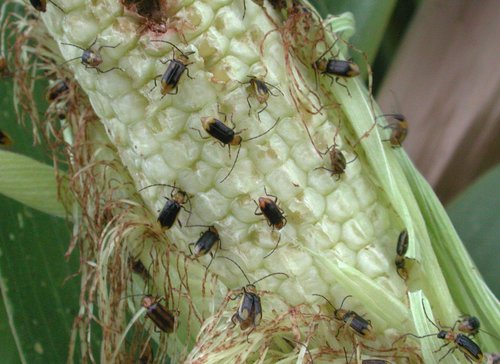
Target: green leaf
(470, 292)
(476, 216)
(30, 182)
(40, 309)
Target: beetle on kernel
(249, 313)
(226, 135)
(205, 243)
(338, 161)
(172, 75)
(463, 343)
(357, 324)
(173, 205)
(91, 58)
(261, 90)
(335, 68)
(272, 212)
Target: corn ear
(340, 237)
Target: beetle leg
(341, 84)
(442, 346)
(187, 73)
(258, 112)
(448, 352)
(107, 46)
(249, 106)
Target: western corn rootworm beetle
(91, 58)
(259, 89)
(41, 5)
(163, 318)
(169, 212)
(338, 161)
(138, 267)
(335, 68)
(146, 356)
(170, 79)
(462, 342)
(57, 90)
(470, 325)
(354, 322)
(272, 212)
(401, 249)
(399, 129)
(4, 67)
(227, 136)
(5, 140)
(204, 244)
(249, 312)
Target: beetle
(5, 140)
(463, 343)
(227, 136)
(173, 205)
(171, 77)
(91, 58)
(338, 162)
(4, 67)
(164, 319)
(138, 267)
(357, 324)
(260, 89)
(249, 313)
(272, 212)
(335, 68)
(470, 325)
(401, 249)
(41, 5)
(57, 90)
(206, 241)
(146, 356)
(399, 129)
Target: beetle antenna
(290, 341)
(74, 45)
(172, 44)
(327, 300)
(234, 164)
(221, 256)
(70, 60)
(427, 316)
(413, 335)
(275, 247)
(156, 184)
(264, 133)
(57, 6)
(269, 275)
(133, 295)
(342, 303)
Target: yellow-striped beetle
(260, 89)
(354, 322)
(249, 313)
(171, 77)
(91, 58)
